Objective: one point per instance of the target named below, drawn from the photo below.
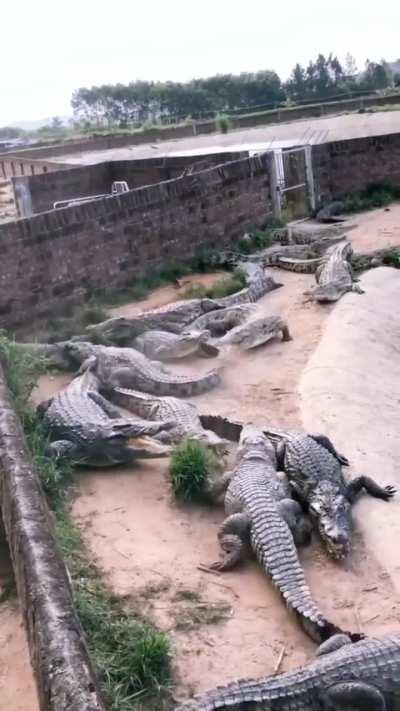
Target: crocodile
(53, 353)
(127, 368)
(331, 211)
(169, 409)
(221, 321)
(173, 317)
(163, 345)
(88, 429)
(260, 510)
(257, 332)
(314, 470)
(334, 276)
(364, 676)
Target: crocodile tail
(273, 544)
(186, 386)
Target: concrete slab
(350, 390)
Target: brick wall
(38, 193)
(343, 167)
(64, 255)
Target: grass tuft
(192, 465)
(375, 195)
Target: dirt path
(225, 626)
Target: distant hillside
(34, 125)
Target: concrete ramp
(350, 390)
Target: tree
(350, 66)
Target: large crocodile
(352, 677)
(335, 275)
(174, 317)
(163, 345)
(169, 409)
(127, 368)
(313, 467)
(259, 509)
(257, 332)
(89, 430)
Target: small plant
(228, 285)
(223, 123)
(191, 466)
(392, 259)
(92, 313)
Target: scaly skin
(300, 266)
(314, 470)
(257, 332)
(258, 509)
(162, 345)
(90, 430)
(127, 368)
(169, 409)
(334, 276)
(356, 677)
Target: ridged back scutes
(374, 660)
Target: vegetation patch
(374, 195)
(225, 286)
(131, 657)
(191, 469)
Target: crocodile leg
(337, 641)
(105, 405)
(233, 536)
(86, 364)
(371, 487)
(357, 289)
(354, 696)
(218, 487)
(286, 333)
(299, 524)
(324, 441)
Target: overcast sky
(49, 48)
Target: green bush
(192, 463)
(223, 123)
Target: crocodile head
(78, 351)
(114, 331)
(332, 513)
(210, 439)
(253, 444)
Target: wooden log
(64, 674)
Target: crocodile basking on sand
(127, 368)
(257, 332)
(163, 345)
(88, 429)
(314, 470)
(345, 677)
(260, 510)
(334, 276)
(169, 409)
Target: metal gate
(294, 182)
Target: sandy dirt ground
(230, 625)
(17, 688)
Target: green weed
(192, 464)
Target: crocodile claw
(343, 460)
(389, 492)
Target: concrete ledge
(59, 657)
(350, 390)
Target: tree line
(141, 101)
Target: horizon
(92, 46)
